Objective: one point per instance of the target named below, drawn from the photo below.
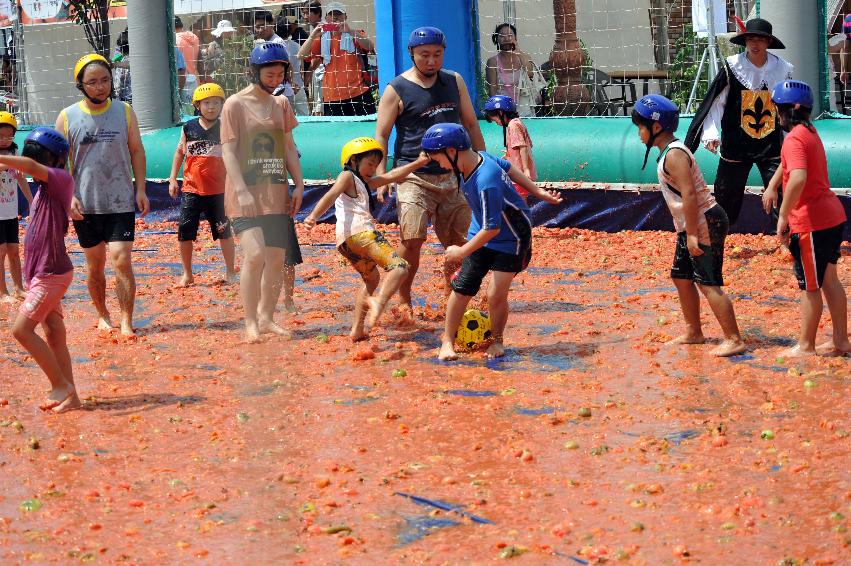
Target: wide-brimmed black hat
(760, 27)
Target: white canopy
(204, 6)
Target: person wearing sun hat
(217, 59)
(738, 119)
(839, 52)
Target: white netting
(628, 48)
(839, 53)
(40, 54)
(612, 52)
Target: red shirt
(818, 208)
(344, 72)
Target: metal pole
(711, 47)
(20, 69)
(150, 26)
(696, 80)
(798, 26)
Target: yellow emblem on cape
(759, 115)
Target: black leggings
(731, 179)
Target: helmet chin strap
(454, 163)
(92, 99)
(502, 118)
(420, 71)
(649, 145)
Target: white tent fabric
(50, 51)
(182, 7)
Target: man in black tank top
(414, 101)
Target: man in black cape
(738, 117)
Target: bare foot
(729, 348)
(357, 334)
(447, 352)
(69, 404)
(271, 327)
(252, 333)
(495, 350)
(376, 309)
(104, 323)
(19, 294)
(127, 328)
(185, 280)
(57, 396)
(688, 339)
(231, 277)
(6, 298)
(405, 315)
(832, 349)
(797, 351)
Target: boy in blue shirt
(500, 234)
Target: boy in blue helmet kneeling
(701, 224)
(500, 235)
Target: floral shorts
(368, 249)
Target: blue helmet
(500, 102)
(657, 108)
(269, 52)
(51, 140)
(444, 136)
(426, 36)
(793, 92)
(846, 26)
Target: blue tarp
(592, 209)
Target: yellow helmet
(85, 60)
(207, 90)
(7, 119)
(358, 146)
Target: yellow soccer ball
(474, 330)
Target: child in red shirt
(814, 217)
(518, 145)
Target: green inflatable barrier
(588, 149)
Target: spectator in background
(189, 46)
(344, 91)
(312, 14)
(512, 73)
(287, 26)
(180, 63)
(264, 27)
(121, 63)
(312, 70)
(299, 97)
(213, 53)
(839, 49)
(265, 31)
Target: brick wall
(680, 17)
